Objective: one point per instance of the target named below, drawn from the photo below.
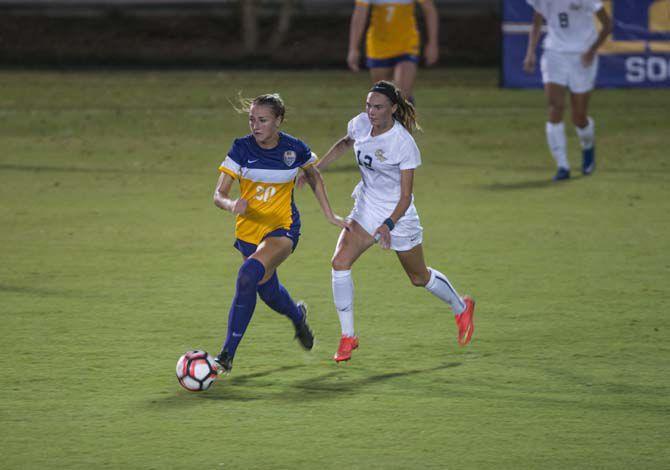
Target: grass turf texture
(115, 261)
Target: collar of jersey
(395, 123)
(279, 141)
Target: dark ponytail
(405, 114)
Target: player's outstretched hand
(340, 222)
(529, 63)
(383, 236)
(587, 58)
(239, 206)
(431, 53)
(353, 60)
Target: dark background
(201, 33)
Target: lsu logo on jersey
(289, 157)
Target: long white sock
(557, 145)
(440, 287)
(587, 134)
(343, 295)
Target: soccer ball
(196, 371)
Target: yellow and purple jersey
(267, 178)
(392, 31)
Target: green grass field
(114, 261)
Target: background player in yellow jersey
(267, 227)
(392, 40)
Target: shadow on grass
(532, 184)
(34, 291)
(333, 382)
(331, 385)
(244, 379)
(326, 386)
(226, 389)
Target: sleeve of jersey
(535, 4)
(355, 127)
(233, 162)
(351, 131)
(307, 157)
(311, 160)
(411, 157)
(230, 167)
(595, 5)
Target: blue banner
(637, 53)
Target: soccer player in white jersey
(384, 210)
(569, 61)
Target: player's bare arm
(336, 151)
(315, 181)
(359, 20)
(222, 199)
(605, 30)
(431, 50)
(533, 37)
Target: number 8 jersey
(570, 24)
(380, 159)
(267, 178)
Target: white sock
(343, 295)
(440, 287)
(587, 134)
(557, 145)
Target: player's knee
(245, 282)
(419, 279)
(579, 119)
(250, 273)
(556, 112)
(340, 264)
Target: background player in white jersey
(569, 61)
(387, 155)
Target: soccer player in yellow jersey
(267, 227)
(392, 40)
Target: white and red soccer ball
(196, 371)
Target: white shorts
(566, 69)
(406, 234)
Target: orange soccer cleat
(465, 321)
(347, 344)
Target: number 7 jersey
(392, 30)
(380, 160)
(267, 179)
